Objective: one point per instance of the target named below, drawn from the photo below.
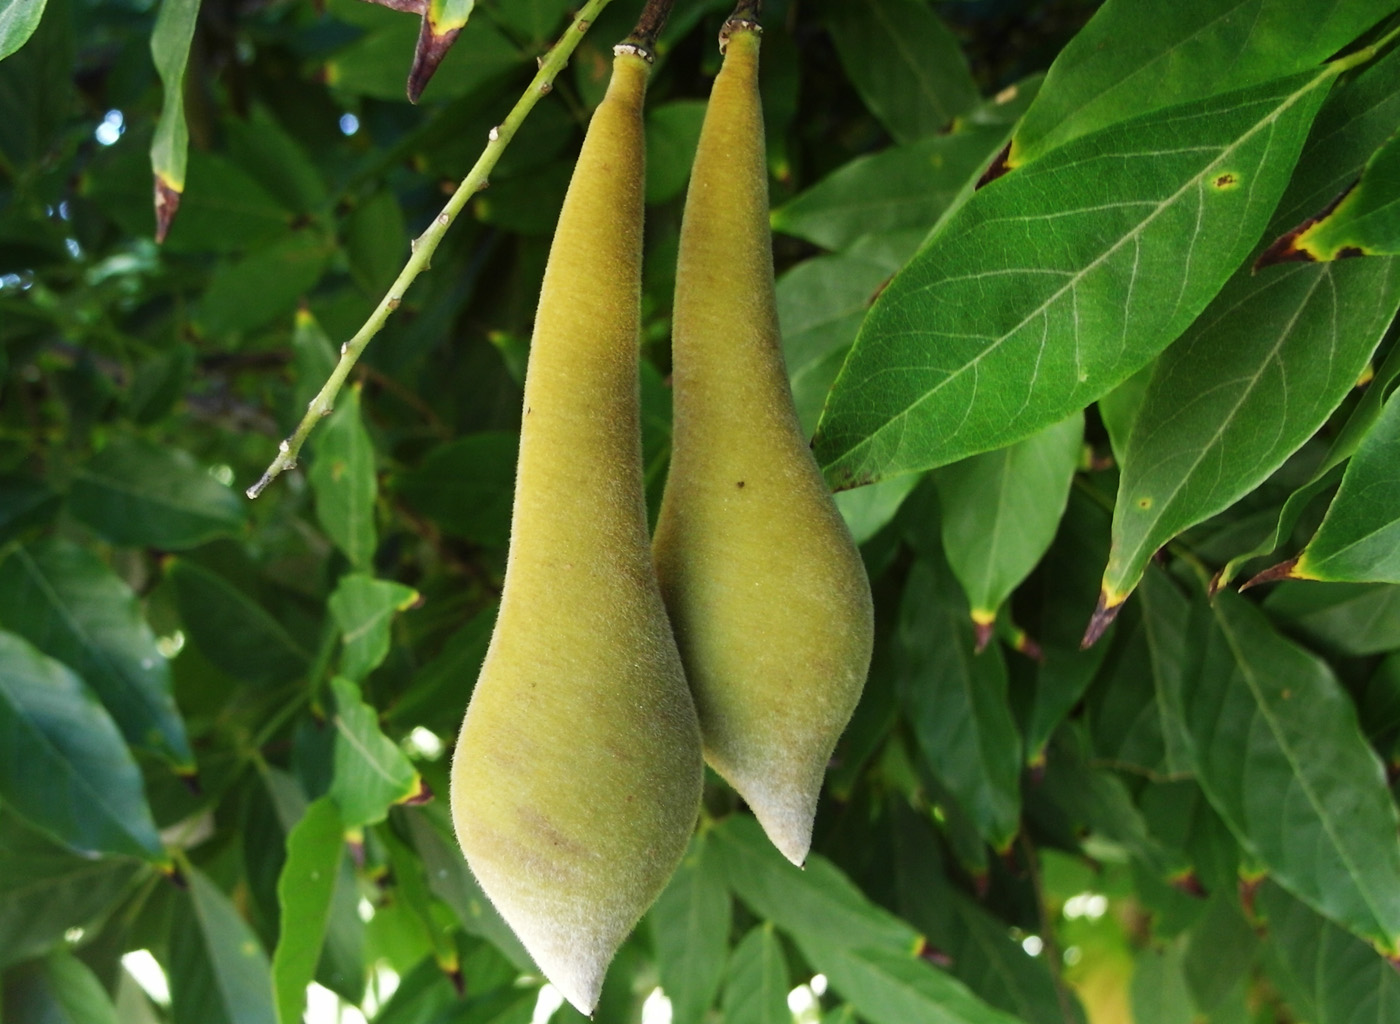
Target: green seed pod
(766, 590)
(577, 775)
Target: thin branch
(426, 244)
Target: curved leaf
(138, 493)
(18, 20)
(315, 847)
(170, 48)
(70, 605)
(371, 772)
(1364, 221)
(342, 475)
(1055, 283)
(690, 924)
(219, 972)
(756, 986)
(364, 608)
(63, 765)
(1282, 759)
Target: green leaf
(24, 502)
(364, 608)
(18, 20)
(886, 987)
(219, 973)
(255, 290)
(903, 188)
(1253, 379)
(756, 985)
(1359, 540)
(170, 48)
(690, 924)
(1345, 618)
(375, 65)
(1282, 759)
(63, 765)
(816, 900)
(36, 90)
(371, 772)
(77, 991)
(1326, 975)
(45, 890)
(279, 163)
(821, 303)
(1366, 221)
(1001, 508)
(1055, 283)
(956, 702)
(376, 243)
(138, 493)
(920, 81)
(315, 848)
(466, 486)
(672, 133)
(868, 509)
(1159, 993)
(72, 607)
(232, 630)
(1220, 951)
(411, 888)
(1138, 55)
(342, 476)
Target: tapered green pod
(766, 590)
(577, 774)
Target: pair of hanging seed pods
(744, 632)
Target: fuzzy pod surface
(766, 590)
(577, 774)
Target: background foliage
(223, 723)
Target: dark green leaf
(1346, 618)
(1159, 992)
(364, 608)
(673, 131)
(1139, 55)
(466, 486)
(1367, 219)
(1326, 975)
(376, 66)
(868, 509)
(77, 991)
(315, 848)
(920, 81)
(1359, 541)
(275, 160)
(957, 704)
(1284, 762)
(18, 20)
(903, 188)
(817, 900)
(1052, 285)
(24, 502)
(219, 972)
(232, 630)
(1253, 379)
(139, 493)
(344, 481)
(63, 765)
(1001, 509)
(376, 243)
(36, 88)
(756, 985)
(371, 772)
(263, 285)
(1220, 951)
(45, 890)
(690, 923)
(65, 601)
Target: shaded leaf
(376, 243)
(1281, 756)
(374, 65)
(1136, 55)
(256, 289)
(46, 890)
(139, 493)
(466, 486)
(1359, 540)
(1054, 284)
(672, 134)
(219, 973)
(690, 924)
(1158, 992)
(903, 188)
(364, 608)
(63, 765)
(371, 772)
(232, 630)
(342, 476)
(1253, 379)
(1345, 618)
(24, 502)
(868, 509)
(69, 604)
(315, 848)
(956, 702)
(1327, 975)
(77, 990)
(1001, 509)
(756, 985)
(921, 81)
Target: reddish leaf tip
(167, 199)
(427, 55)
(984, 631)
(1104, 614)
(1282, 571)
(1000, 165)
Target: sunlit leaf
(304, 889)
(371, 772)
(364, 608)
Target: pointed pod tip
(1104, 613)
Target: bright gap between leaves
(148, 974)
(1092, 905)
